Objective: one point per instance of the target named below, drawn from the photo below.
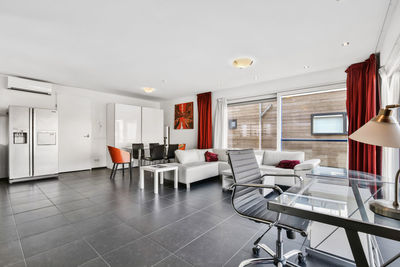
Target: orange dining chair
(119, 156)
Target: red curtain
(204, 136)
(362, 105)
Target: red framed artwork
(184, 116)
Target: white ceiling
(182, 47)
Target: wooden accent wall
(246, 135)
(296, 123)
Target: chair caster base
(301, 259)
(256, 251)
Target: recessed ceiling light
(346, 44)
(242, 63)
(148, 89)
(306, 67)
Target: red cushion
(288, 164)
(211, 156)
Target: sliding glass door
(252, 124)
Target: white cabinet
(127, 124)
(124, 126)
(152, 126)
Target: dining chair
(135, 152)
(119, 156)
(171, 151)
(157, 153)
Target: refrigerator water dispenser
(20, 137)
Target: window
(252, 125)
(303, 115)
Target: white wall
(181, 136)
(309, 80)
(98, 106)
(391, 33)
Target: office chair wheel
(256, 251)
(301, 259)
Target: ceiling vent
(31, 86)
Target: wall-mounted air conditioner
(31, 86)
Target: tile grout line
(245, 244)
(159, 229)
(16, 229)
(98, 254)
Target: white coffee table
(158, 170)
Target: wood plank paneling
(296, 123)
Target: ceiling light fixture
(306, 67)
(242, 63)
(346, 44)
(148, 89)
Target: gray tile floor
(84, 219)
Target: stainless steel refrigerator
(33, 143)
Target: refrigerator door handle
(31, 142)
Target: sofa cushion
(195, 171)
(259, 156)
(274, 157)
(222, 156)
(308, 165)
(288, 181)
(187, 156)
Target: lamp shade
(382, 130)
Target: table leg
(161, 177)
(175, 178)
(356, 248)
(155, 182)
(141, 179)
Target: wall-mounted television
(334, 123)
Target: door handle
(86, 136)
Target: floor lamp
(382, 130)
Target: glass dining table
(342, 198)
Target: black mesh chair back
(135, 150)
(157, 152)
(171, 151)
(152, 145)
(249, 201)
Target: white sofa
(193, 167)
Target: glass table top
(341, 194)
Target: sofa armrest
(307, 165)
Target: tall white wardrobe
(127, 124)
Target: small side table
(158, 169)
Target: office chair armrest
(274, 187)
(284, 175)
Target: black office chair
(171, 151)
(250, 203)
(157, 153)
(135, 152)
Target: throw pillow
(288, 164)
(210, 156)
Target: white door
(74, 113)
